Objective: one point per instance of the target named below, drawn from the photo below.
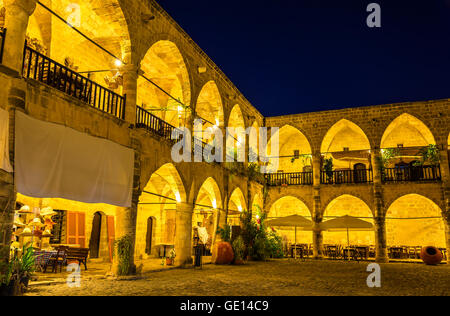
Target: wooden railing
(2, 44)
(292, 178)
(152, 123)
(411, 174)
(43, 69)
(346, 176)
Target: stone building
(91, 106)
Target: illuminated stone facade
(171, 198)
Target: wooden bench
(78, 254)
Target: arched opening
(287, 206)
(406, 131)
(236, 205)
(94, 245)
(209, 105)
(295, 153)
(236, 133)
(254, 142)
(351, 206)
(159, 201)
(345, 146)
(103, 22)
(415, 221)
(206, 212)
(409, 151)
(164, 88)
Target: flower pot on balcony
(431, 255)
(222, 253)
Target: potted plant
(16, 273)
(170, 260)
(239, 251)
(222, 250)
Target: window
(58, 227)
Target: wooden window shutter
(76, 225)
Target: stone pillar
(317, 211)
(379, 216)
(130, 76)
(444, 163)
(183, 234)
(7, 207)
(16, 22)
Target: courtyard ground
(273, 278)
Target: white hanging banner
(54, 161)
(4, 141)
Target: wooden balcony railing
(292, 178)
(2, 43)
(347, 176)
(43, 69)
(152, 123)
(412, 174)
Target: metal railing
(411, 174)
(346, 176)
(291, 178)
(152, 123)
(2, 44)
(43, 69)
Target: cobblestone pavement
(278, 278)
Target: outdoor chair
(57, 259)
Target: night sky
(294, 56)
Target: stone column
(130, 76)
(7, 206)
(379, 216)
(444, 163)
(317, 211)
(183, 234)
(16, 22)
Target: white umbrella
(292, 221)
(346, 223)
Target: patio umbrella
(346, 223)
(292, 221)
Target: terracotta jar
(222, 253)
(431, 255)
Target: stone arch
(208, 204)
(286, 206)
(408, 131)
(352, 206)
(164, 66)
(344, 134)
(209, 106)
(415, 220)
(347, 144)
(236, 136)
(104, 22)
(159, 200)
(257, 203)
(236, 205)
(291, 139)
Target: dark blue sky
(293, 56)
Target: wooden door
(94, 243)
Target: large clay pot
(431, 255)
(222, 253)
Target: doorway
(94, 244)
